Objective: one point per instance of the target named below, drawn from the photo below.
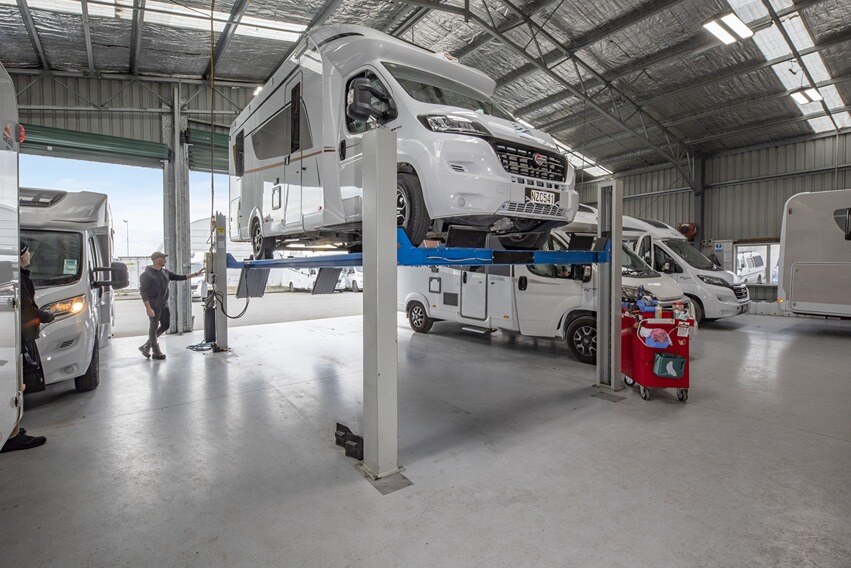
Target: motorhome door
(539, 289)
(101, 247)
(474, 293)
(293, 161)
(644, 248)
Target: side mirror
(666, 268)
(119, 277)
(361, 102)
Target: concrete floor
(228, 460)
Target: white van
(69, 235)
(352, 278)
(815, 254)
(750, 267)
(295, 150)
(714, 292)
(543, 300)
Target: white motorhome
(750, 267)
(545, 300)
(11, 405)
(70, 240)
(295, 150)
(714, 292)
(815, 254)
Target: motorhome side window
(354, 125)
(272, 138)
(295, 118)
(239, 154)
(662, 258)
(551, 270)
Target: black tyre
(531, 241)
(581, 337)
(698, 310)
(291, 288)
(418, 318)
(759, 279)
(261, 246)
(411, 211)
(91, 379)
(355, 287)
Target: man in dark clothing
(31, 319)
(153, 285)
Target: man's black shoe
(146, 350)
(22, 442)
(157, 354)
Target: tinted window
(239, 154)
(295, 118)
(690, 254)
(56, 257)
(757, 261)
(662, 257)
(270, 140)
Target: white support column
(220, 285)
(380, 357)
(610, 211)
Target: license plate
(541, 197)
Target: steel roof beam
(323, 14)
(24, 9)
(689, 47)
(587, 117)
(520, 50)
(136, 35)
(87, 34)
(227, 34)
(170, 80)
(410, 21)
(508, 25)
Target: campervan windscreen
(431, 89)
(634, 267)
(56, 257)
(691, 255)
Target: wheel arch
(570, 316)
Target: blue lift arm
(409, 255)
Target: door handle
(464, 277)
(522, 283)
(848, 224)
(342, 149)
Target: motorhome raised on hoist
(295, 150)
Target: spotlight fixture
(257, 90)
(728, 28)
(805, 96)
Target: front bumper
(66, 347)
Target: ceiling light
(800, 97)
(734, 23)
(524, 123)
(719, 32)
(257, 90)
(813, 94)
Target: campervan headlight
(714, 281)
(65, 308)
(454, 124)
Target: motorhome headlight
(65, 308)
(454, 124)
(714, 281)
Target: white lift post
(220, 281)
(610, 211)
(380, 338)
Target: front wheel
(355, 287)
(698, 311)
(418, 318)
(91, 379)
(581, 337)
(411, 213)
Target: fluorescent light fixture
(734, 23)
(524, 123)
(814, 95)
(596, 171)
(800, 97)
(257, 90)
(719, 32)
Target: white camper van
(750, 267)
(295, 151)
(815, 254)
(714, 292)
(11, 405)
(70, 239)
(538, 300)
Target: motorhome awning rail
(409, 255)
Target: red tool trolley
(655, 353)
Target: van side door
(293, 165)
(474, 293)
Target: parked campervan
(715, 293)
(537, 300)
(815, 254)
(69, 235)
(750, 267)
(295, 150)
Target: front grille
(520, 160)
(741, 291)
(532, 209)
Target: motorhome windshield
(431, 89)
(634, 267)
(56, 257)
(690, 254)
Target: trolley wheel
(645, 392)
(628, 382)
(682, 395)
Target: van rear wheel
(91, 379)
(261, 246)
(418, 318)
(581, 337)
(411, 213)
